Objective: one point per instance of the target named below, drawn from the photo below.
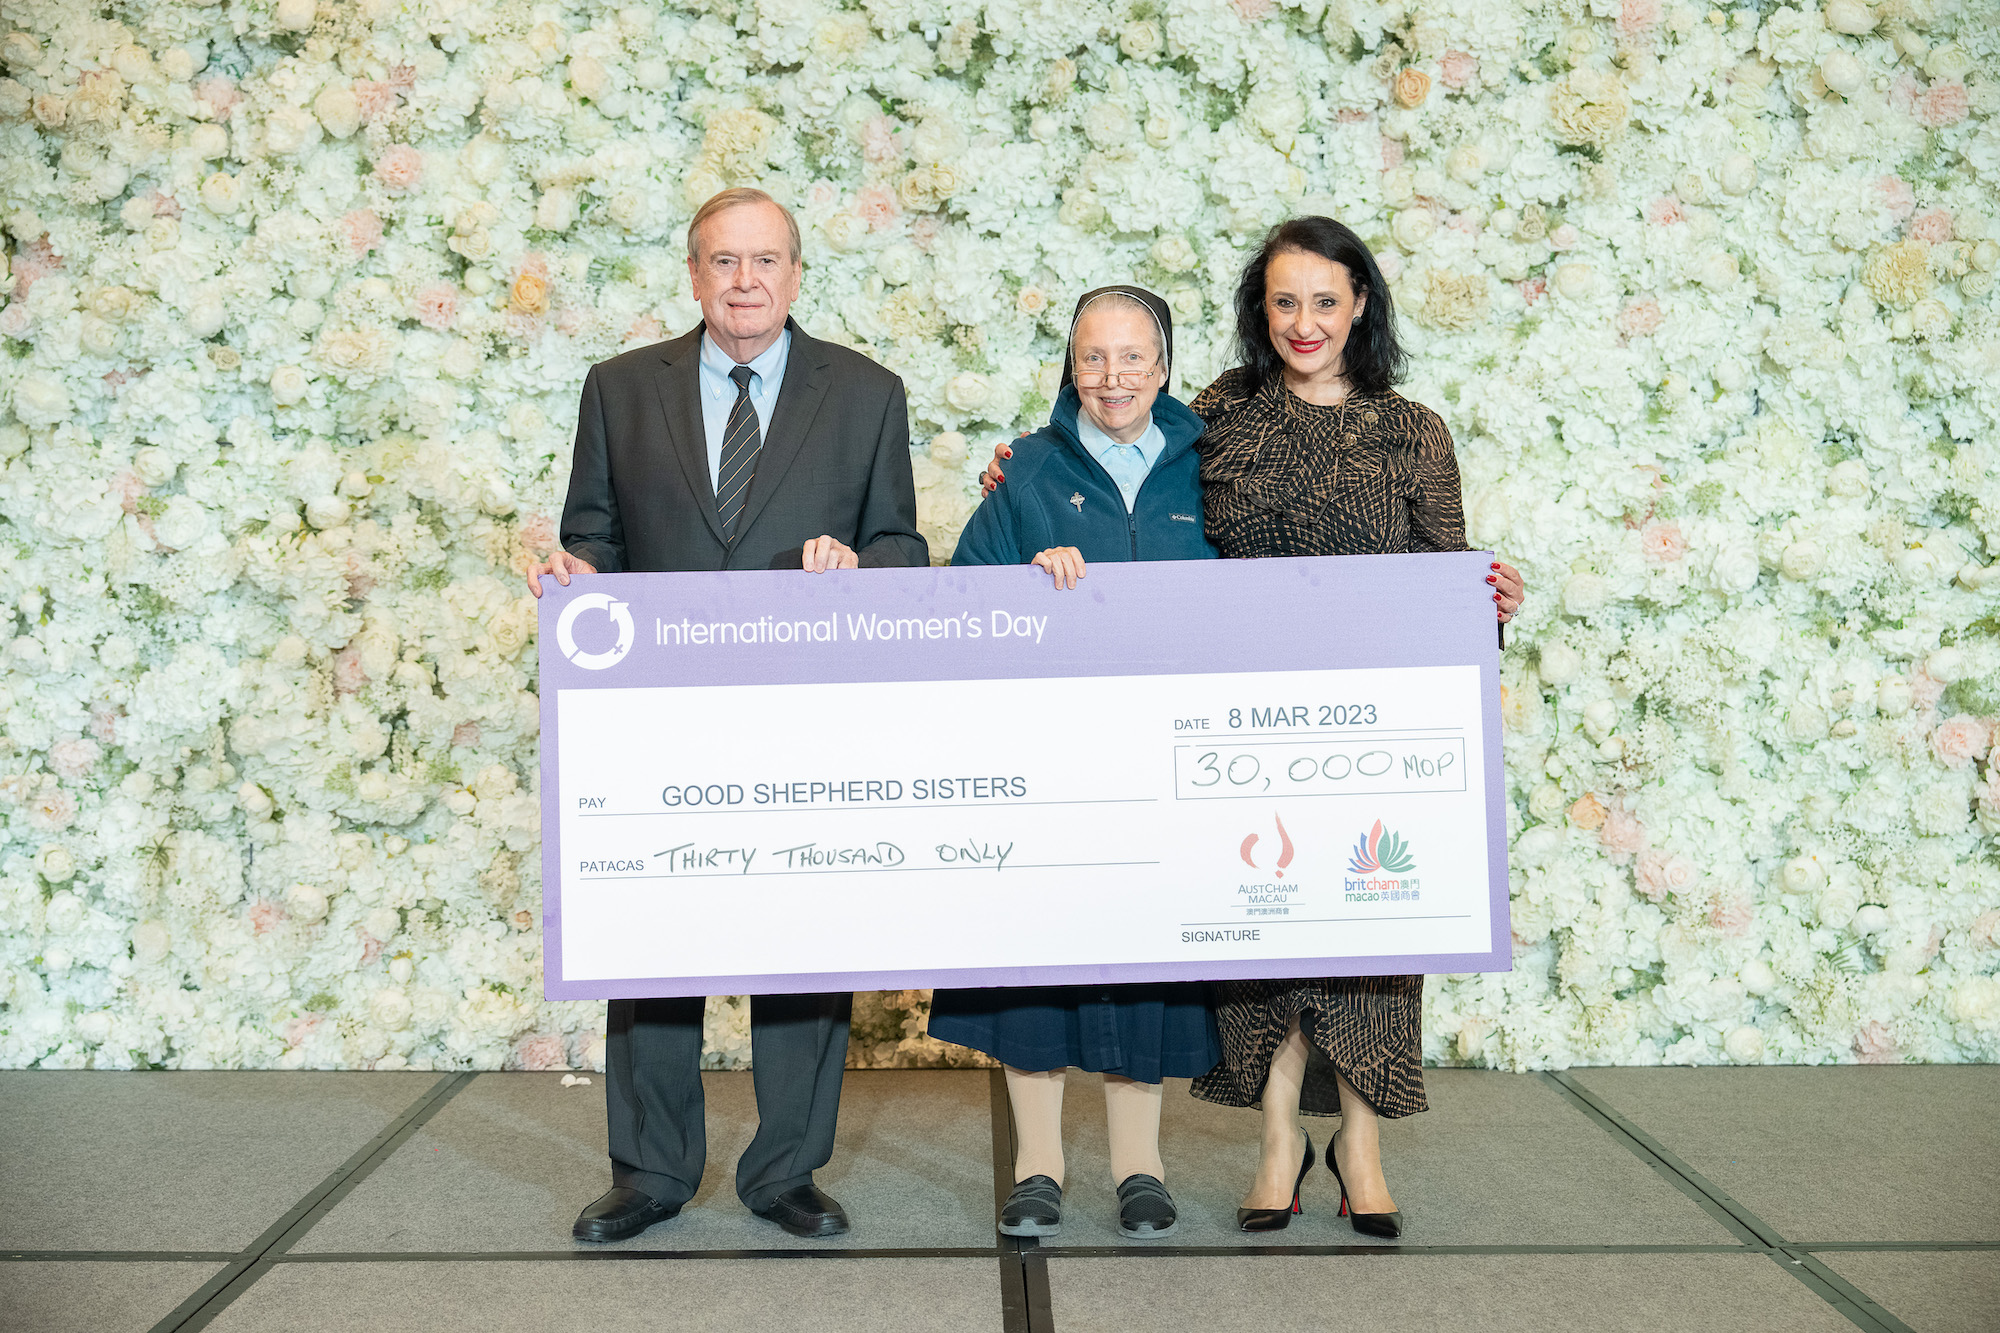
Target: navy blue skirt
(1146, 1032)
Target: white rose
(1976, 1000)
(1744, 1045)
(1576, 280)
(1560, 663)
(151, 941)
(256, 802)
(382, 923)
(1716, 269)
(221, 194)
(206, 315)
(294, 15)
(844, 232)
(1837, 904)
(1466, 164)
(290, 130)
(1174, 254)
(1584, 593)
(1108, 124)
(64, 913)
(1848, 479)
(484, 158)
(1802, 874)
(307, 902)
(899, 263)
(288, 385)
(1803, 559)
(1893, 697)
(327, 511)
(1805, 722)
(968, 392)
(1948, 665)
(949, 448)
(1546, 802)
(55, 864)
(1842, 73)
(1412, 227)
(1735, 568)
(390, 1008)
(184, 523)
(208, 141)
(555, 210)
(1758, 978)
(337, 110)
(94, 1027)
(627, 209)
(1142, 39)
(1948, 63)
(1162, 128)
(1600, 718)
(40, 400)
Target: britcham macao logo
(1379, 870)
(621, 619)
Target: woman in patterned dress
(1310, 451)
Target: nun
(1113, 476)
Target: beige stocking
(1132, 1112)
(1278, 1163)
(1037, 1103)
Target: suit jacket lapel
(679, 389)
(799, 399)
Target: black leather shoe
(1033, 1208)
(1277, 1219)
(806, 1210)
(1145, 1210)
(1387, 1226)
(620, 1213)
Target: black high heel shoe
(1388, 1226)
(1277, 1219)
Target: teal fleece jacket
(1056, 494)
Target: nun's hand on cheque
(991, 477)
(1064, 563)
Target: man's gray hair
(729, 199)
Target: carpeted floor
(1611, 1199)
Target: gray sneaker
(1033, 1209)
(1145, 1209)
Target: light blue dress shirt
(718, 392)
(1128, 464)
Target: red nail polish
(1494, 566)
(1491, 579)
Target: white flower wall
(299, 297)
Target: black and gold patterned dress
(1284, 477)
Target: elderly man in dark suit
(743, 444)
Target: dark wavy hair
(1375, 360)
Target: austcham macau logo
(1379, 870)
(621, 620)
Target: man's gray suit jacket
(835, 461)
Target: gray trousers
(653, 1102)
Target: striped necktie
(741, 439)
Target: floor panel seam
(249, 1265)
(1853, 1304)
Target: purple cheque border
(1249, 615)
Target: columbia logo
(1182, 518)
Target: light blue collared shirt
(1128, 464)
(718, 392)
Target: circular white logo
(621, 616)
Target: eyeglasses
(1117, 379)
